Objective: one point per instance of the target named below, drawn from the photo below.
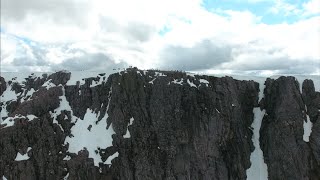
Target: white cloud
(249, 1)
(309, 8)
(312, 7)
(128, 32)
(72, 11)
(284, 8)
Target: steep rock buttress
(286, 153)
(165, 125)
(153, 125)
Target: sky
(250, 37)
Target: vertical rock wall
(162, 124)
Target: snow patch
(64, 105)
(98, 137)
(307, 129)
(191, 83)
(67, 158)
(97, 83)
(258, 169)
(22, 157)
(204, 81)
(8, 95)
(4, 178)
(9, 121)
(110, 158)
(138, 72)
(3, 113)
(151, 82)
(31, 117)
(19, 77)
(82, 75)
(66, 177)
(176, 81)
(191, 74)
(131, 121)
(30, 92)
(159, 74)
(48, 84)
(28, 95)
(127, 135)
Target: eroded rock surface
(312, 101)
(182, 131)
(287, 155)
(163, 125)
(3, 85)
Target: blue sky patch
(26, 40)
(288, 11)
(164, 30)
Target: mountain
(170, 125)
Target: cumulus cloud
(133, 31)
(284, 7)
(201, 56)
(58, 10)
(182, 34)
(36, 57)
(270, 62)
(311, 7)
(91, 62)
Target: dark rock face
(281, 133)
(35, 83)
(83, 97)
(312, 100)
(182, 132)
(3, 85)
(60, 77)
(42, 102)
(180, 127)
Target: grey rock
(179, 131)
(190, 130)
(3, 85)
(312, 101)
(281, 133)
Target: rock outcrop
(181, 131)
(155, 125)
(287, 155)
(312, 101)
(3, 85)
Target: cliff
(156, 125)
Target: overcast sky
(245, 36)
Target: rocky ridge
(154, 125)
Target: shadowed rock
(281, 133)
(3, 85)
(180, 127)
(312, 101)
